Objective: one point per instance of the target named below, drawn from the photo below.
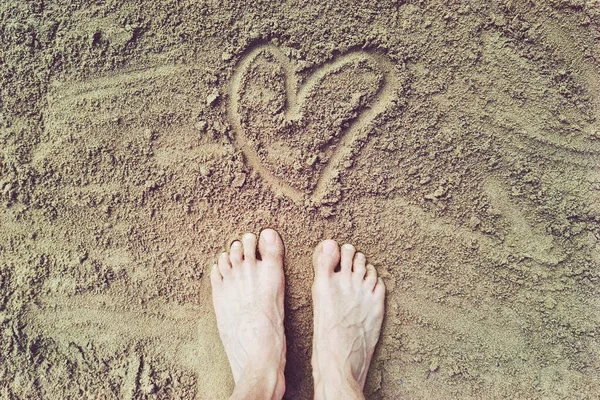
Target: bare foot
(248, 300)
(348, 310)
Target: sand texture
(456, 143)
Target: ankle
(335, 382)
(346, 388)
(259, 383)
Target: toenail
(360, 256)
(329, 247)
(348, 246)
(224, 254)
(236, 244)
(269, 236)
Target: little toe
(270, 246)
(236, 253)
(224, 264)
(371, 277)
(215, 276)
(347, 258)
(359, 269)
(379, 297)
(379, 290)
(249, 245)
(326, 257)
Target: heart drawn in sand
(296, 135)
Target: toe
(347, 258)
(249, 245)
(326, 257)
(380, 289)
(215, 276)
(359, 269)
(224, 264)
(236, 253)
(371, 277)
(379, 297)
(270, 246)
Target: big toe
(270, 246)
(326, 257)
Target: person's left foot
(248, 300)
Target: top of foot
(248, 289)
(348, 306)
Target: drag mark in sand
(296, 96)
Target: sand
(457, 144)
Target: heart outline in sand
(295, 97)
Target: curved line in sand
(295, 98)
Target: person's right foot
(348, 312)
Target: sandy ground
(456, 143)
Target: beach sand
(456, 144)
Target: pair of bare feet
(248, 288)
